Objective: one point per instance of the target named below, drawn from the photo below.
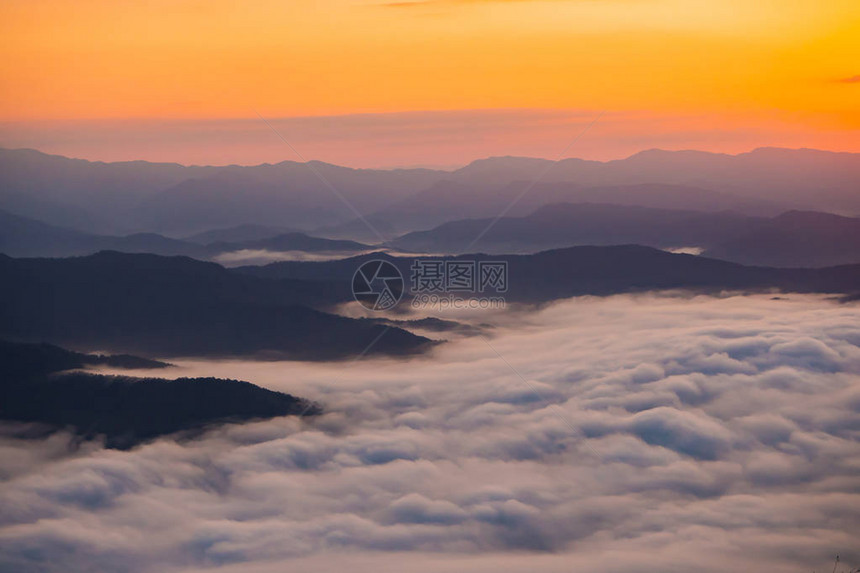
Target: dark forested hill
(573, 271)
(172, 306)
(125, 410)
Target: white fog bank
(629, 433)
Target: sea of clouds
(629, 433)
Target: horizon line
(419, 167)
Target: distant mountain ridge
(595, 270)
(791, 239)
(128, 197)
(765, 181)
(568, 224)
(795, 239)
(449, 201)
(24, 237)
(133, 196)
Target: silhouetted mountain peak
(502, 169)
(799, 216)
(783, 152)
(506, 160)
(688, 157)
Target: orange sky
(768, 67)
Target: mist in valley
(653, 432)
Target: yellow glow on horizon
(216, 59)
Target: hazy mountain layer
(451, 200)
(137, 196)
(793, 239)
(765, 182)
(565, 225)
(23, 237)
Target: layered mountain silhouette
(128, 197)
(176, 306)
(565, 224)
(793, 239)
(23, 237)
(820, 180)
(451, 200)
(765, 182)
(561, 273)
(35, 387)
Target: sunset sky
(403, 83)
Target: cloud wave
(669, 434)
